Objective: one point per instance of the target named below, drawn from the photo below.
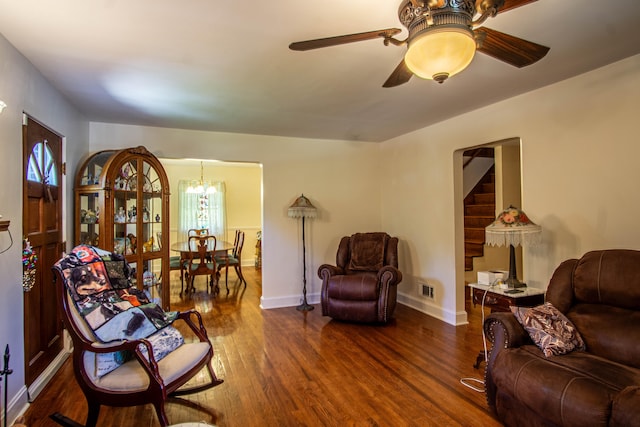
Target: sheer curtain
(202, 210)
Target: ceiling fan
(443, 38)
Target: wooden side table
(501, 299)
(498, 299)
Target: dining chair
(233, 259)
(200, 260)
(198, 232)
(194, 232)
(176, 262)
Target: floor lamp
(302, 208)
(513, 227)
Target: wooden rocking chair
(142, 379)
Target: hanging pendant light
(202, 187)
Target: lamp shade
(302, 208)
(440, 52)
(513, 227)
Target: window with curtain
(202, 210)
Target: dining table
(183, 247)
(222, 248)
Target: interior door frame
(52, 367)
(501, 199)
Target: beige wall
(243, 183)
(580, 178)
(342, 179)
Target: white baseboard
(456, 319)
(288, 301)
(44, 378)
(452, 318)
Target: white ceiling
(225, 65)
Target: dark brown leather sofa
(600, 295)
(362, 286)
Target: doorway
(42, 227)
(507, 181)
(242, 183)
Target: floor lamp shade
(303, 208)
(514, 228)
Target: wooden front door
(42, 225)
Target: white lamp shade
(302, 208)
(513, 227)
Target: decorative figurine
(90, 217)
(148, 245)
(133, 214)
(147, 279)
(133, 240)
(121, 216)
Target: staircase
(479, 211)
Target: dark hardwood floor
(286, 368)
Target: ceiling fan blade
(510, 49)
(400, 75)
(489, 5)
(512, 4)
(337, 40)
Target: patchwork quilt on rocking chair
(99, 282)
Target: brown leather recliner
(600, 295)
(362, 286)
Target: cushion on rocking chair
(132, 377)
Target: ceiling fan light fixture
(438, 53)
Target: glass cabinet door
(137, 223)
(125, 217)
(152, 217)
(92, 172)
(89, 206)
(151, 209)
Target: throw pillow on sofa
(549, 329)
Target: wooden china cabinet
(122, 205)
